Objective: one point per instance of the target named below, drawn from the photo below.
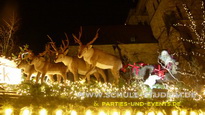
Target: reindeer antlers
(77, 39)
(96, 36)
(65, 45)
(52, 44)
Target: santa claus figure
(168, 62)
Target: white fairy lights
(200, 36)
(105, 111)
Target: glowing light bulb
(151, 113)
(140, 113)
(127, 112)
(160, 113)
(59, 112)
(115, 113)
(26, 112)
(43, 112)
(183, 112)
(102, 113)
(73, 112)
(88, 112)
(193, 113)
(174, 112)
(8, 111)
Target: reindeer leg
(28, 77)
(42, 77)
(74, 71)
(88, 78)
(37, 76)
(102, 73)
(59, 78)
(116, 75)
(75, 74)
(51, 78)
(64, 77)
(88, 73)
(97, 76)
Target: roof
(118, 34)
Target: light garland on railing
(78, 91)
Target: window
(133, 39)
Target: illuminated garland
(76, 110)
(77, 90)
(199, 40)
(199, 36)
(192, 53)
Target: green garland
(64, 95)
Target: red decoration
(136, 67)
(124, 68)
(160, 72)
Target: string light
(43, 112)
(115, 113)
(199, 42)
(151, 113)
(80, 90)
(8, 111)
(160, 113)
(59, 112)
(127, 112)
(193, 113)
(88, 112)
(140, 113)
(174, 112)
(73, 112)
(26, 111)
(183, 112)
(102, 113)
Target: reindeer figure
(49, 68)
(98, 58)
(74, 64)
(27, 69)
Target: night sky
(54, 17)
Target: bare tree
(192, 34)
(8, 27)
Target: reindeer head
(60, 57)
(84, 48)
(62, 51)
(22, 64)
